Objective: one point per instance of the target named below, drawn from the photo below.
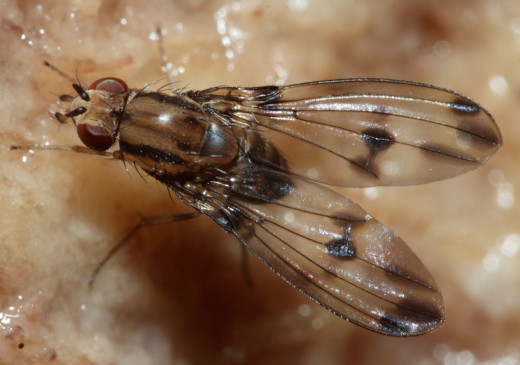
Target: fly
(254, 160)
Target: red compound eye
(95, 137)
(111, 85)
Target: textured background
(176, 294)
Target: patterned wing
(363, 132)
(349, 133)
(325, 246)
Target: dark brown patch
(485, 132)
(430, 309)
(342, 247)
(414, 308)
(463, 105)
(169, 99)
(377, 139)
(394, 326)
(264, 153)
(412, 317)
(259, 185)
(152, 153)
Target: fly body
(254, 159)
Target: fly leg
(144, 222)
(78, 149)
(246, 270)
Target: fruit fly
(254, 160)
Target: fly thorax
(171, 133)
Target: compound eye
(95, 137)
(111, 85)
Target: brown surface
(176, 295)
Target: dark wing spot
(377, 139)
(342, 247)
(464, 106)
(394, 326)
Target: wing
(362, 132)
(324, 245)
